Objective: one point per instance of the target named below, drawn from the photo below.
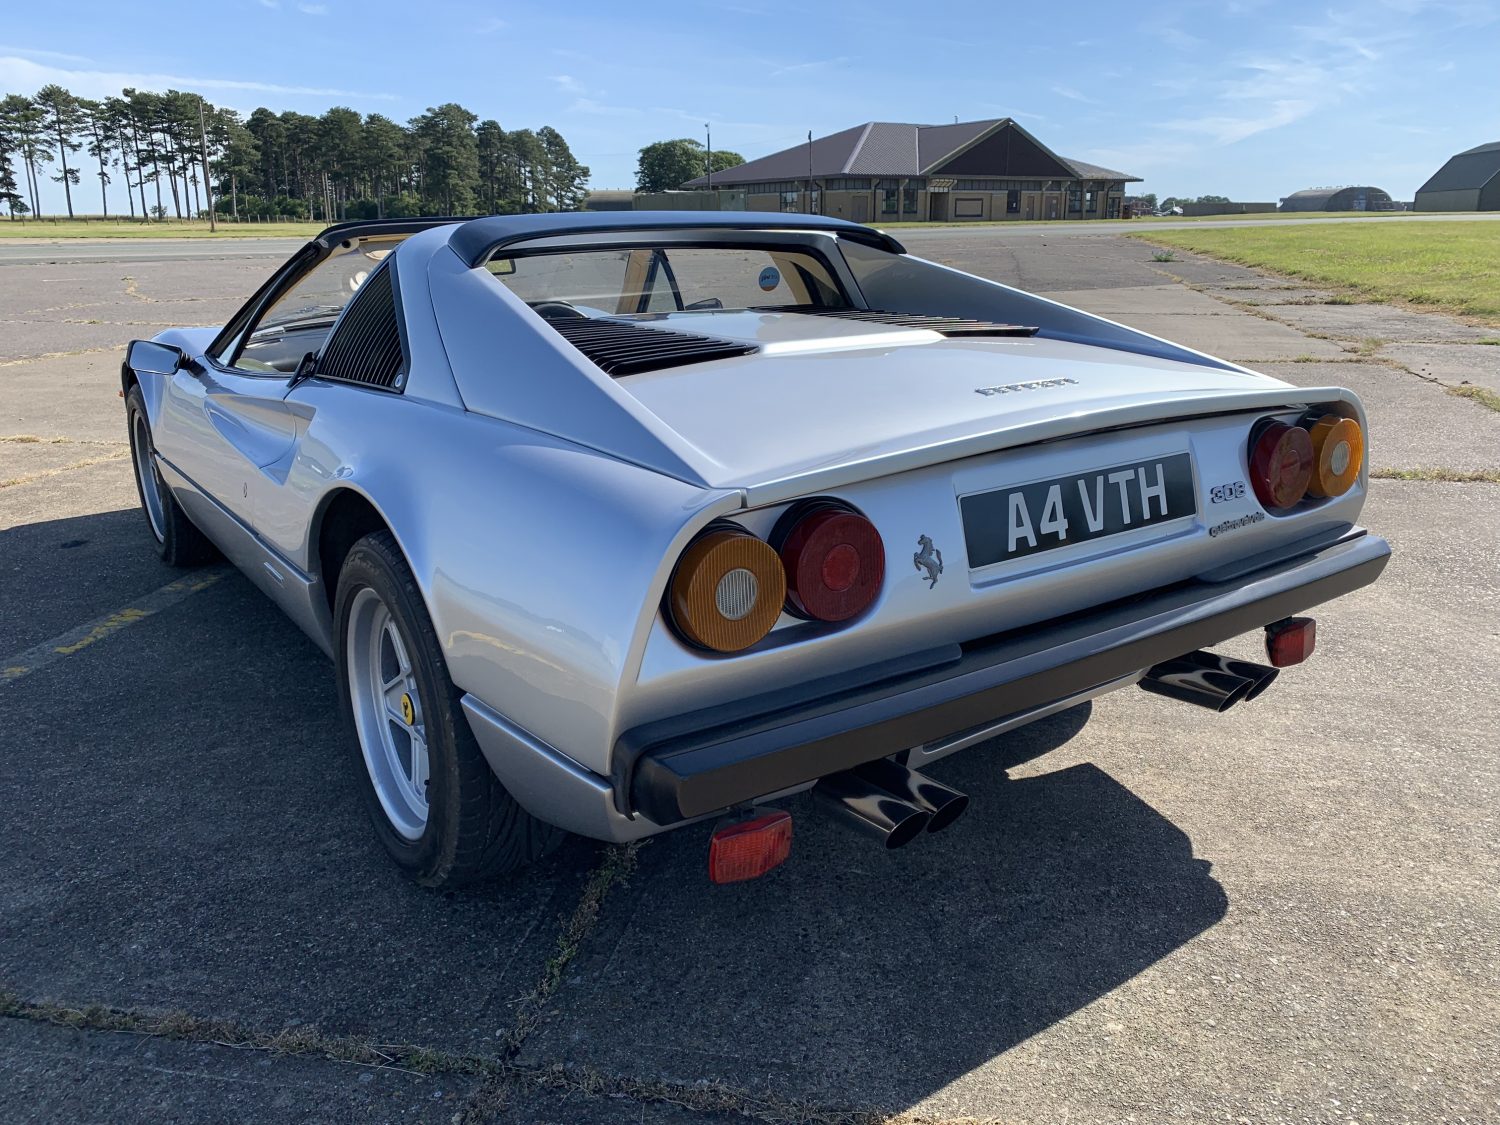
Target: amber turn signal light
(1338, 453)
(727, 590)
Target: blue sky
(1252, 99)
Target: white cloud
(37, 53)
(779, 69)
(272, 4)
(23, 74)
(313, 9)
(1176, 37)
(1227, 129)
(568, 84)
(701, 116)
(1072, 94)
(601, 109)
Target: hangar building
(1469, 181)
(888, 171)
(1339, 199)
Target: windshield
(668, 279)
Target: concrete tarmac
(1286, 913)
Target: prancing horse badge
(929, 558)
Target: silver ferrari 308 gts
(616, 522)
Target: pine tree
(99, 129)
(62, 119)
(567, 180)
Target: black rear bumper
(698, 763)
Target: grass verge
(1450, 476)
(1482, 395)
(1451, 266)
(43, 229)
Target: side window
(366, 346)
(299, 320)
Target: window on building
(968, 207)
(789, 201)
(909, 201)
(1114, 207)
(1075, 199)
(888, 201)
(1093, 202)
(1013, 202)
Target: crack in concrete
(34, 439)
(58, 355)
(132, 290)
(1362, 350)
(501, 1075)
(43, 474)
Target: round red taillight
(1281, 465)
(835, 563)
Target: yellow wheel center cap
(408, 711)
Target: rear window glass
(669, 279)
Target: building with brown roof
(884, 171)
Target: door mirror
(157, 359)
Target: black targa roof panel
(480, 239)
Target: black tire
(475, 831)
(178, 541)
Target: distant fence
(1227, 208)
(127, 220)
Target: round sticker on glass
(770, 278)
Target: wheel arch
(345, 517)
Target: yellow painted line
(92, 632)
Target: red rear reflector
(747, 849)
(1291, 641)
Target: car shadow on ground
(858, 976)
(186, 833)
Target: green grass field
(1291, 216)
(124, 228)
(1454, 267)
(1145, 220)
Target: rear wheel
(437, 807)
(178, 542)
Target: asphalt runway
(1286, 913)
(32, 251)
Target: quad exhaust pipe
(1208, 680)
(890, 802)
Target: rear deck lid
(821, 395)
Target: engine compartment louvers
(620, 348)
(947, 325)
(366, 348)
